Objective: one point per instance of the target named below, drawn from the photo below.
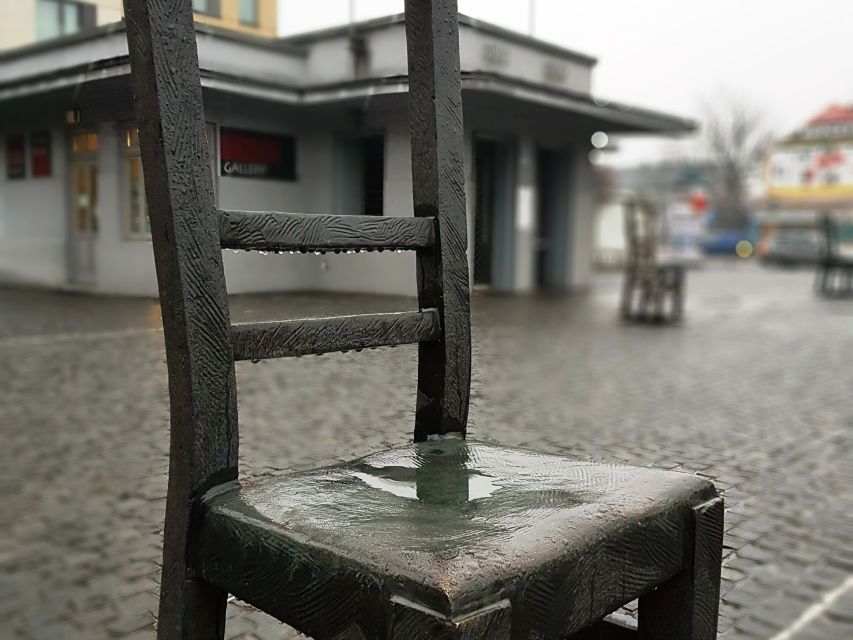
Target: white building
(313, 123)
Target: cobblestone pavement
(752, 390)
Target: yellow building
(28, 21)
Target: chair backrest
(640, 232)
(831, 235)
(189, 233)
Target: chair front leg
(686, 606)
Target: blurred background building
(808, 173)
(313, 123)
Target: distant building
(313, 123)
(28, 21)
(809, 172)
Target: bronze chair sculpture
(443, 538)
(648, 280)
(834, 271)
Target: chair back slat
(293, 338)
(189, 234)
(193, 301)
(273, 231)
(438, 177)
(188, 258)
(831, 236)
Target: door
(484, 209)
(551, 219)
(84, 209)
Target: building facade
(809, 173)
(315, 123)
(28, 21)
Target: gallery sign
(248, 154)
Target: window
(138, 224)
(207, 7)
(247, 11)
(56, 18)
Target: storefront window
(247, 11)
(83, 143)
(138, 224)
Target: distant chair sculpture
(835, 271)
(653, 288)
(440, 539)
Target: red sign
(246, 154)
(15, 165)
(40, 154)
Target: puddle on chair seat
(435, 489)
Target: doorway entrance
(551, 219)
(493, 213)
(360, 175)
(84, 208)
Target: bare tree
(735, 139)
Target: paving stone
(753, 393)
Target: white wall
(384, 272)
(33, 218)
(581, 219)
(526, 201)
(481, 51)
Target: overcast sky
(787, 58)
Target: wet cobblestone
(752, 391)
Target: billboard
(817, 171)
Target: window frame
(214, 9)
(130, 151)
(86, 17)
(255, 13)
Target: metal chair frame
(648, 282)
(202, 345)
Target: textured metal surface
(438, 179)
(272, 231)
(179, 188)
(259, 341)
(695, 592)
(453, 528)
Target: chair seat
(448, 529)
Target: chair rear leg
(660, 295)
(628, 285)
(190, 608)
(686, 607)
(678, 295)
